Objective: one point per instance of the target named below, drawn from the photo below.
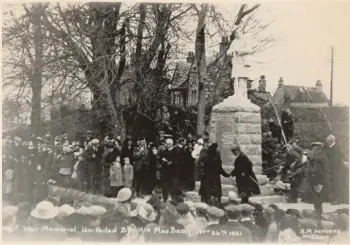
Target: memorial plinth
(237, 121)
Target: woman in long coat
(212, 169)
(247, 184)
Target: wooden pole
(331, 92)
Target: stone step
(262, 179)
(266, 190)
(257, 169)
(264, 200)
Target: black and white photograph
(175, 122)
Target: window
(194, 96)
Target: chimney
(223, 45)
(280, 82)
(262, 84)
(190, 57)
(319, 86)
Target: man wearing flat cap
(239, 233)
(247, 182)
(215, 229)
(246, 221)
(317, 178)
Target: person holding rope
(247, 183)
(287, 124)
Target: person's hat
(232, 195)
(269, 212)
(295, 212)
(146, 212)
(308, 213)
(82, 210)
(190, 205)
(39, 139)
(168, 136)
(109, 144)
(169, 216)
(157, 191)
(200, 141)
(307, 224)
(279, 214)
(183, 209)
(44, 210)
(8, 212)
(307, 151)
(124, 194)
(161, 132)
(317, 144)
(95, 141)
(201, 206)
(176, 200)
(235, 147)
(128, 137)
(153, 200)
(89, 132)
(66, 210)
(215, 212)
(232, 209)
(246, 208)
(96, 211)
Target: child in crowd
(128, 173)
(116, 176)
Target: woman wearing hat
(211, 182)
(42, 218)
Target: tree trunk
(202, 68)
(36, 78)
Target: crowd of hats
(184, 213)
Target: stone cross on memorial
(237, 121)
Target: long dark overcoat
(316, 174)
(245, 177)
(339, 175)
(211, 182)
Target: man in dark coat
(180, 158)
(140, 159)
(316, 178)
(246, 221)
(107, 160)
(247, 183)
(276, 131)
(213, 232)
(339, 173)
(287, 124)
(237, 232)
(127, 150)
(93, 156)
(169, 166)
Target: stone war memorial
(237, 121)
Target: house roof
(302, 94)
(181, 74)
(183, 69)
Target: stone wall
(242, 128)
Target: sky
(304, 32)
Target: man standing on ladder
(287, 124)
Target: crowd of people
(175, 220)
(166, 167)
(99, 166)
